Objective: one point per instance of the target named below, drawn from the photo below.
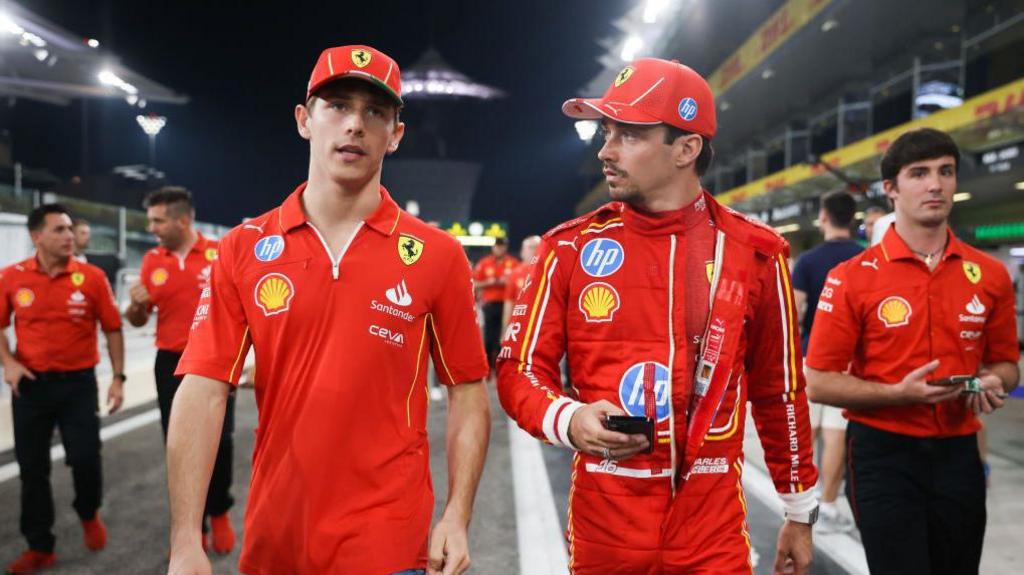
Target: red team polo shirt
(55, 318)
(174, 284)
(491, 267)
(341, 477)
(883, 314)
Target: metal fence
(116, 231)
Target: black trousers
(218, 497)
(69, 401)
(919, 502)
(492, 329)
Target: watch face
(813, 517)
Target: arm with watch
(775, 387)
(115, 347)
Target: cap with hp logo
(653, 91)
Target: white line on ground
(846, 551)
(539, 535)
(108, 432)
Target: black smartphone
(631, 425)
(952, 380)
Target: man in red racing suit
(678, 312)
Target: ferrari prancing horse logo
(972, 271)
(410, 248)
(361, 58)
(623, 76)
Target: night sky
(235, 146)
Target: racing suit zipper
(699, 390)
(671, 359)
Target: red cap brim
(361, 75)
(597, 108)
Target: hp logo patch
(631, 389)
(602, 257)
(688, 109)
(269, 248)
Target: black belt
(65, 375)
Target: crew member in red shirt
(173, 275)
(57, 301)
(343, 295)
(517, 277)
(489, 279)
(893, 325)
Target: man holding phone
(674, 311)
(914, 337)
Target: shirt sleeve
(106, 304)
(478, 270)
(529, 374)
(456, 343)
(801, 281)
(776, 390)
(220, 338)
(146, 279)
(5, 303)
(1001, 328)
(836, 328)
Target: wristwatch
(809, 518)
(121, 376)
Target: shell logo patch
(361, 58)
(624, 75)
(77, 279)
(159, 276)
(274, 293)
(972, 271)
(211, 254)
(894, 311)
(709, 269)
(599, 302)
(24, 297)
(410, 248)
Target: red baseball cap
(361, 62)
(653, 91)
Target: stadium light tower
(151, 125)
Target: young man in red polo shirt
(893, 325)
(343, 295)
(57, 302)
(489, 278)
(173, 275)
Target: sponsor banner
(1002, 100)
(772, 34)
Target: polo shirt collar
(199, 246)
(73, 265)
(384, 219)
(895, 248)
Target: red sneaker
(222, 533)
(31, 562)
(94, 532)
